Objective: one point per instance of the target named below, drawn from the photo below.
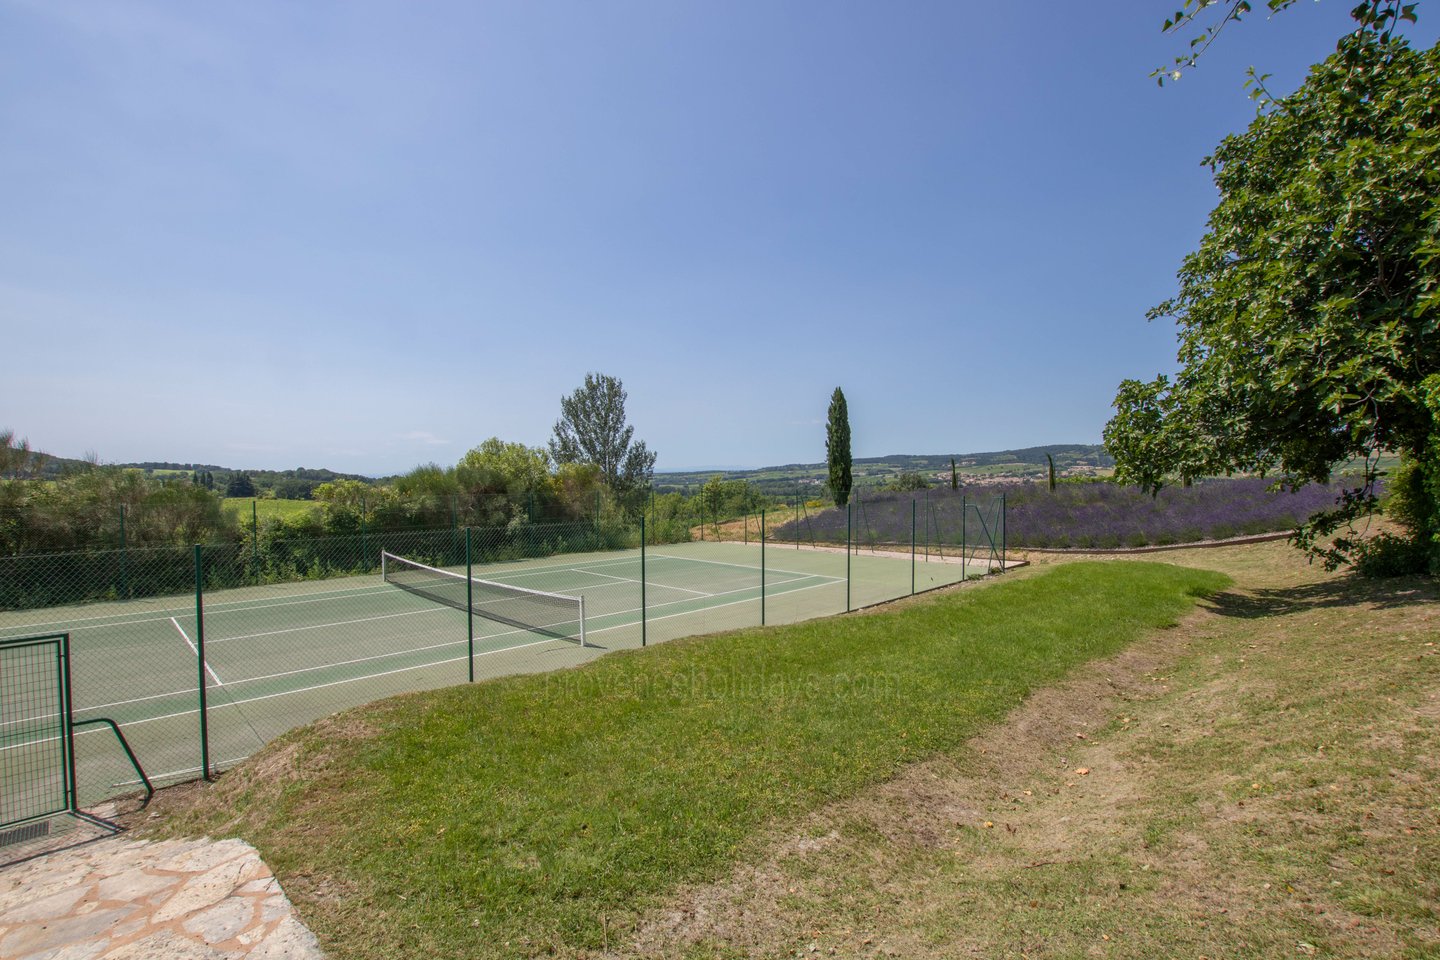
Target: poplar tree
(837, 448)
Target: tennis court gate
(37, 737)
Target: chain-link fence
(202, 654)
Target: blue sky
(367, 235)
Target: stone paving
(121, 899)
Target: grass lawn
(549, 813)
(267, 508)
(1261, 781)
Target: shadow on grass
(1348, 591)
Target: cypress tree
(837, 448)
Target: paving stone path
(120, 899)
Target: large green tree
(837, 448)
(592, 429)
(1309, 331)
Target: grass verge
(541, 813)
(1260, 782)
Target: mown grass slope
(530, 813)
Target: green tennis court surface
(281, 655)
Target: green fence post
(200, 657)
(847, 557)
(364, 546)
(1003, 531)
(124, 558)
(255, 540)
(762, 567)
(67, 726)
(912, 548)
(469, 608)
(964, 518)
(643, 615)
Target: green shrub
(1387, 555)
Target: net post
(469, 608)
(200, 659)
(643, 613)
(762, 566)
(582, 620)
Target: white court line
(119, 619)
(196, 650)
(664, 586)
(437, 663)
(233, 683)
(653, 606)
(583, 568)
(686, 613)
(326, 626)
(592, 573)
(746, 566)
(617, 613)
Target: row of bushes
(1080, 515)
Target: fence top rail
(35, 641)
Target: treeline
(495, 485)
(297, 484)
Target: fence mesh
(33, 752)
(203, 654)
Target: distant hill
(998, 466)
(296, 484)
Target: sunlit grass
(532, 812)
(265, 509)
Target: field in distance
(1071, 459)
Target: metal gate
(37, 741)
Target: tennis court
(281, 655)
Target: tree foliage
(17, 460)
(837, 449)
(1308, 315)
(240, 485)
(1379, 17)
(910, 481)
(592, 429)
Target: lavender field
(1088, 515)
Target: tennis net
(552, 614)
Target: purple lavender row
(1083, 515)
